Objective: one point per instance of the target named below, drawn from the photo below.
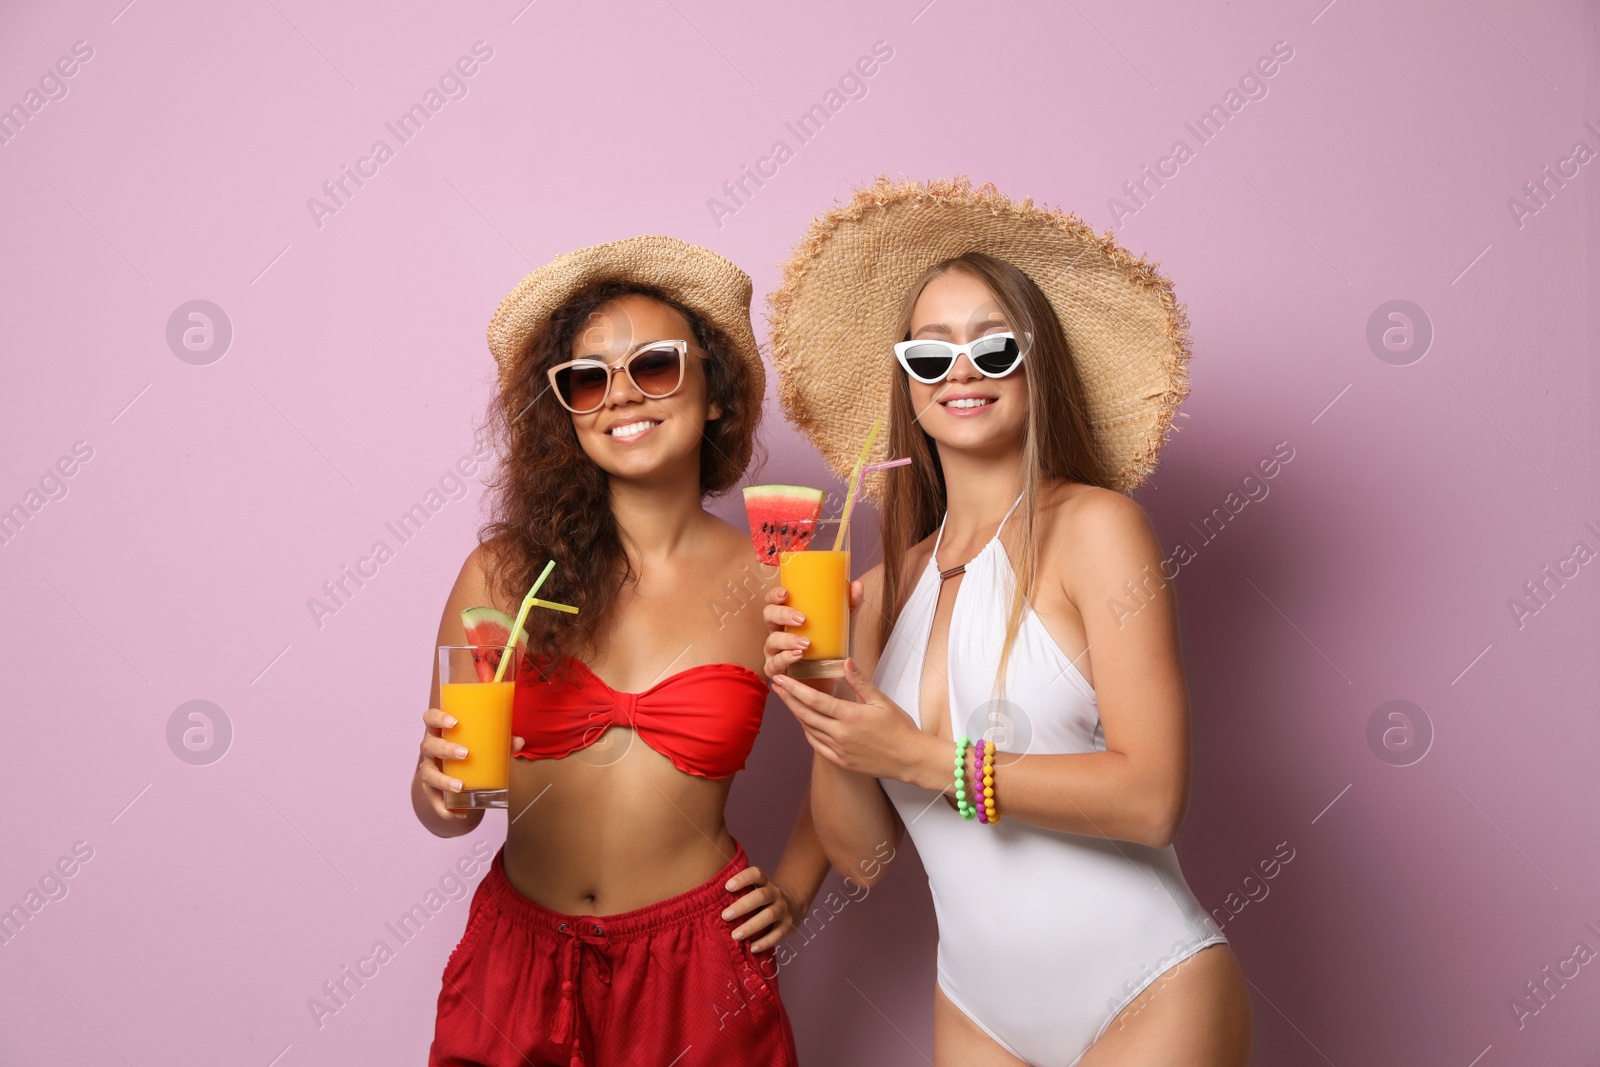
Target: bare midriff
(612, 827)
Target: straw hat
(834, 317)
(696, 277)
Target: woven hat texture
(696, 277)
(834, 317)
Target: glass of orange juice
(818, 580)
(481, 707)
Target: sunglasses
(655, 369)
(995, 355)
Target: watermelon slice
(488, 626)
(783, 518)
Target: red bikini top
(704, 719)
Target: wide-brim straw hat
(695, 277)
(835, 316)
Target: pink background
(219, 498)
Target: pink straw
(886, 464)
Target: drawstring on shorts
(580, 938)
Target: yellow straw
(855, 482)
(522, 617)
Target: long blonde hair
(1057, 443)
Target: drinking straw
(522, 617)
(886, 464)
(855, 483)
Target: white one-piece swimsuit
(1044, 936)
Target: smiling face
(967, 411)
(633, 436)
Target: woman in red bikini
(621, 922)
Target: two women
(1030, 371)
(621, 919)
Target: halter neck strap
(939, 539)
(1014, 504)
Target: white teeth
(968, 402)
(632, 429)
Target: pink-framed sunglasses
(655, 368)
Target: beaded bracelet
(966, 809)
(981, 751)
(989, 813)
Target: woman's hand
(783, 649)
(777, 908)
(430, 770)
(874, 737)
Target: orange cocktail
(818, 581)
(482, 710)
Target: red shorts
(663, 984)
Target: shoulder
(1100, 530)
(730, 548)
(476, 583)
(473, 588)
(725, 534)
(1091, 509)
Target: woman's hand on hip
(772, 911)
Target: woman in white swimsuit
(1067, 934)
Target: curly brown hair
(548, 499)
